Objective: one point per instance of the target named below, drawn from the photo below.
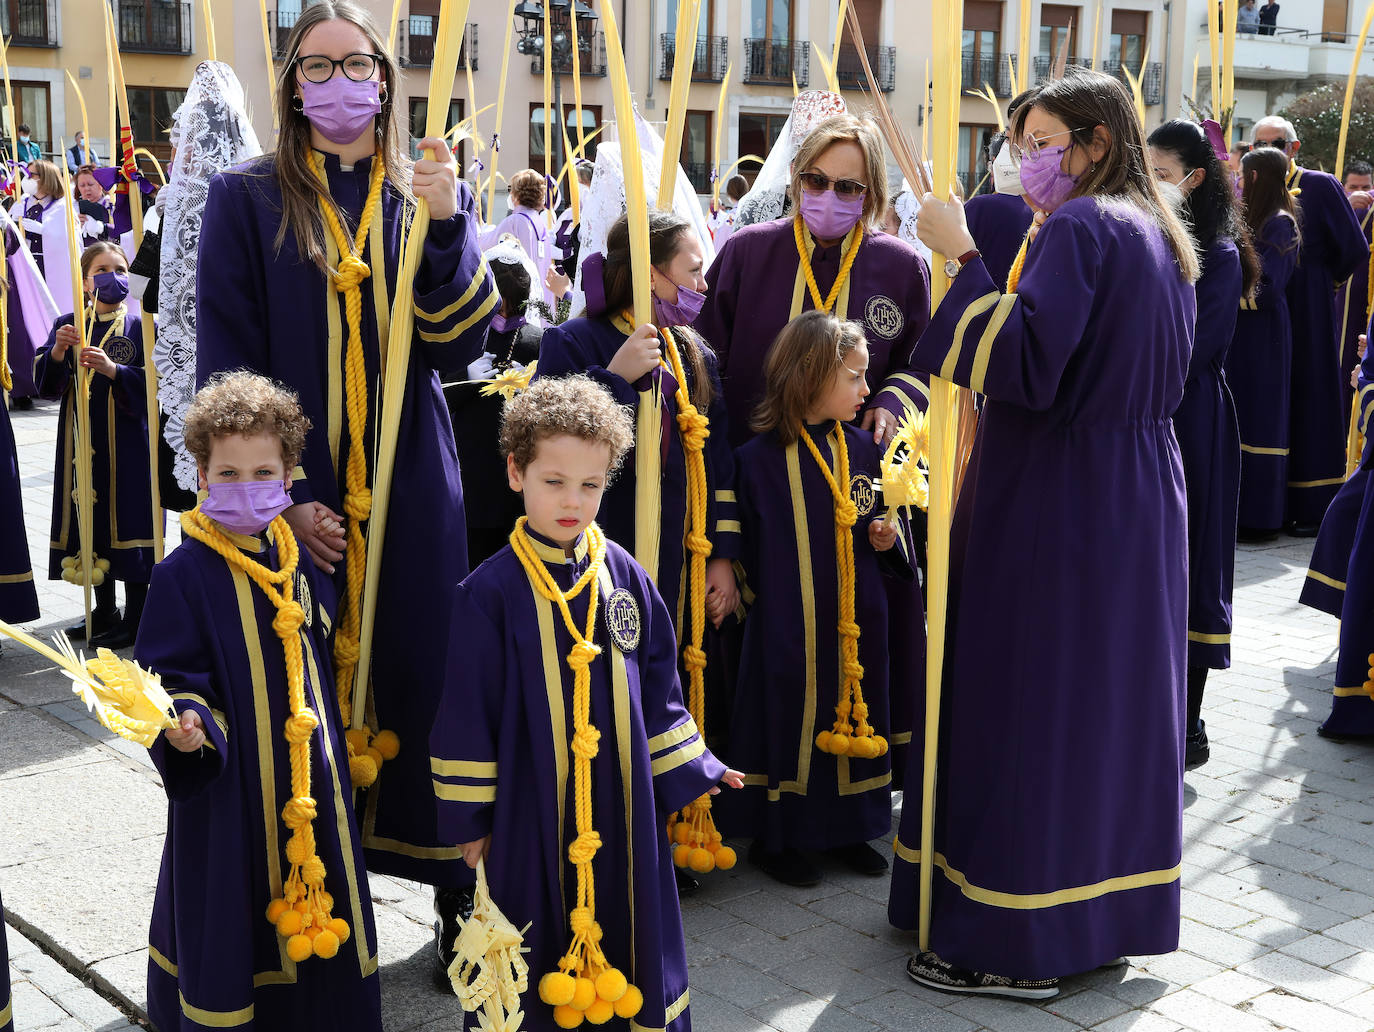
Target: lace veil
(767, 198)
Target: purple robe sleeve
(1278, 251)
(1327, 212)
(718, 313)
(1015, 347)
(571, 348)
(51, 376)
(722, 509)
(455, 294)
(1218, 295)
(904, 385)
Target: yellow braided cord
(357, 505)
(584, 982)
(843, 740)
(846, 265)
(302, 915)
(1014, 277)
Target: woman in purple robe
(1182, 155)
(276, 284)
(1259, 364)
(1083, 364)
(18, 594)
(122, 511)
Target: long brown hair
(798, 370)
(1084, 100)
(301, 189)
(1265, 193)
(666, 230)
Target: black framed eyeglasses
(817, 183)
(317, 68)
(1278, 142)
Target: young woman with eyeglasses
(1059, 789)
(299, 255)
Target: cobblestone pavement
(1278, 926)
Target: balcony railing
(993, 69)
(1151, 79)
(850, 70)
(1043, 66)
(286, 21)
(29, 23)
(592, 61)
(775, 61)
(417, 43)
(155, 26)
(709, 63)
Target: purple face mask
(683, 311)
(830, 216)
(111, 287)
(1046, 184)
(502, 323)
(246, 508)
(340, 108)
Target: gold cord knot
(584, 847)
(585, 742)
(582, 654)
(846, 513)
(345, 648)
(298, 812)
(358, 504)
(351, 272)
(300, 726)
(289, 619)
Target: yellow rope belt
(1014, 276)
(843, 739)
(585, 985)
(365, 750)
(302, 914)
(846, 266)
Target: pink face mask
(1047, 185)
(246, 507)
(830, 216)
(340, 108)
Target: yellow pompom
(362, 771)
(823, 741)
(386, 743)
(69, 576)
(69, 562)
(556, 988)
(584, 994)
(566, 1017)
(841, 745)
(725, 858)
(600, 1012)
(275, 909)
(700, 860)
(103, 565)
(300, 907)
(374, 756)
(681, 854)
(97, 577)
(682, 833)
(611, 985)
(326, 944)
(881, 743)
(357, 740)
(289, 922)
(340, 929)
(629, 1004)
(299, 948)
(310, 931)
(862, 748)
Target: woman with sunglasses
(299, 254)
(1059, 791)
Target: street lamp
(529, 26)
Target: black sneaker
(104, 622)
(686, 884)
(449, 905)
(934, 973)
(861, 858)
(788, 866)
(1196, 751)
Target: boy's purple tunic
(1209, 441)
(213, 960)
(998, 223)
(1352, 304)
(1333, 247)
(1059, 796)
(18, 594)
(588, 346)
(795, 796)
(275, 314)
(503, 767)
(122, 521)
(1259, 370)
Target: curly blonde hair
(577, 406)
(246, 404)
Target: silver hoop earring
(297, 104)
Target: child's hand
(556, 283)
(638, 355)
(320, 530)
(882, 535)
(733, 778)
(722, 593)
(66, 338)
(1361, 345)
(190, 736)
(475, 851)
(97, 361)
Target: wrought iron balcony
(708, 65)
(849, 69)
(591, 62)
(773, 62)
(1151, 78)
(1042, 66)
(29, 23)
(993, 69)
(286, 21)
(155, 26)
(417, 43)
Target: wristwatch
(953, 265)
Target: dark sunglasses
(1280, 143)
(817, 183)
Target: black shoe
(788, 866)
(1304, 530)
(104, 623)
(120, 636)
(930, 971)
(21, 404)
(1255, 535)
(861, 858)
(449, 905)
(1196, 751)
(686, 884)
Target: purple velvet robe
(1333, 247)
(213, 960)
(1063, 696)
(998, 223)
(503, 767)
(122, 523)
(6, 1004)
(18, 594)
(1209, 441)
(1352, 303)
(276, 314)
(1259, 373)
(796, 796)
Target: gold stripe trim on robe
(483, 769)
(676, 736)
(216, 1019)
(725, 496)
(1328, 482)
(900, 738)
(334, 359)
(1345, 693)
(670, 1014)
(800, 293)
(465, 793)
(906, 379)
(675, 759)
(466, 297)
(1041, 900)
(1253, 450)
(802, 535)
(728, 527)
(620, 702)
(155, 955)
(221, 721)
(983, 355)
(1330, 582)
(558, 719)
(973, 311)
(381, 302)
(481, 312)
(7, 1012)
(1202, 638)
(16, 578)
